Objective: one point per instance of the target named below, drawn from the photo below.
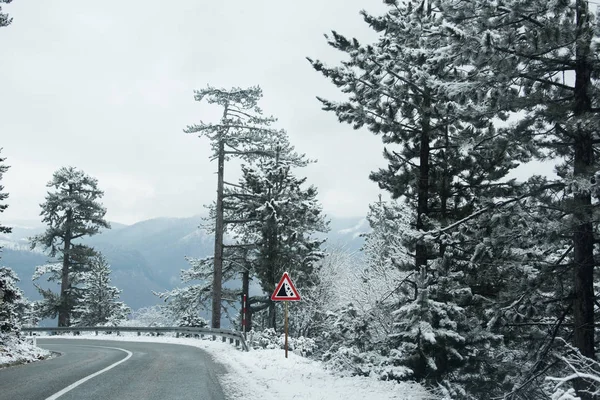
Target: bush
(269, 339)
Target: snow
(268, 375)
(17, 351)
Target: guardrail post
(176, 334)
(139, 333)
(237, 342)
(96, 333)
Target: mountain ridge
(145, 256)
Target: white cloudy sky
(108, 87)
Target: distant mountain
(147, 256)
(347, 233)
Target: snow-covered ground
(13, 351)
(268, 375)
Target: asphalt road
(145, 371)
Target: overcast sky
(108, 87)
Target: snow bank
(19, 351)
(268, 375)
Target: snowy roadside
(14, 351)
(268, 375)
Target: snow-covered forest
(471, 282)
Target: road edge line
(87, 378)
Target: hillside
(146, 256)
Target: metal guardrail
(233, 336)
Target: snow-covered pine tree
(15, 309)
(444, 156)
(72, 211)
(273, 212)
(242, 132)
(542, 57)
(99, 304)
(10, 294)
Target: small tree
(100, 303)
(10, 294)
(71, 211)
(10, 298)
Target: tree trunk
(583, 235)
(445, 192)
(272, 318)
(64, 308)
(218, 258)
(423, 188)
(245, 306)
(248, 319)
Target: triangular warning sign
(285, 290)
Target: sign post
(285, 291)
(286, 328)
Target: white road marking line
(87, 378)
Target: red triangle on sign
(285, 291)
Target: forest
(472, 282)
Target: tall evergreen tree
(444, 156)
(275, 220)
(100, 303)
(542, 58)
(242, 132)
(72, 211)
(271, 219)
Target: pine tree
(540, 59)
(445, 157)
(242, 132)
(10, 294)
(99, 304)
(275, 220)
(72, 212)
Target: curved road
(140, 371)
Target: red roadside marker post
(285, 291)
